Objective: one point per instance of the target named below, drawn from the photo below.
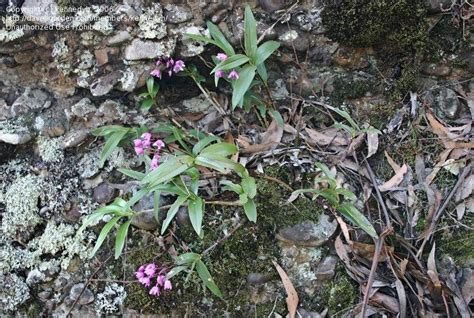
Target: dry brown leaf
(432, 271)
(446, 137)
(395, 180)
(442, 159)
(329, 137)
(270, 139)
(466, 188)
(372, 143)
(402, 297)
(292, 300)
(387, 302)
(468, 289)
(395, 166)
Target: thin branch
(222, 239)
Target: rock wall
(65, 71)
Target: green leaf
(278, 118)
(137, 197)
(175, 270)
(168, 170)
(150, 82)
(132, 173)
(219, 163)
(93, 218)
(172, 212)
(156, 205)
(107, 130)
(251, 210)
(147, 103)
(331, 195)
(352, 214)
(229, 185)
(220, 39)
(250, 36)
(249, 186)
(265, 50)
(121, 237)
(347, 194)
(221, 149)
(262, 71)
(242, 84)
(110, 145)
(206, 278)
(232, 62)
(187, 258)
(201, 38)
(345, 115)
(156, 89)
(195, 208)
(203, 143)
(103, 234)
(325, 170)
(243, 198)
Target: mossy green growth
(457, 243)
(349, 89)
(338, 295)
(250, 249)
(397, 25)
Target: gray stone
(197, 104)
(42, 11)
(75, 137)
(87, 295)
(327, 268)
(145, 221)
(31, 99)
(139, 49)
(104, 193)
(83, 108)
(309, 234)
(182, 217)
(434, 69)
(272, 5)
(257, 278)
(15, 138)
(4, 110)
(105, 84)
(177, 14)
(118, 38)
(445, 101)
(435, 5)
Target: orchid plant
(176, 173)
(240, 70)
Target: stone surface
(309, 234)
(104, 193)
(31, 99)
(145, 221)
(327, 268)
(445, 101)
(87, 295)
(139, 49)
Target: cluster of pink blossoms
(169, 65)
(145, 142)
(147, 274)
(233, 75)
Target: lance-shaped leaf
(168, 170)
(121, 237)
(251, 210)
(265, 50)
(196, 213)
(250, 36)
(172, 212)
(352, 214)
(103, 234)
(241, 86)
(207, 279)
(232, 62)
